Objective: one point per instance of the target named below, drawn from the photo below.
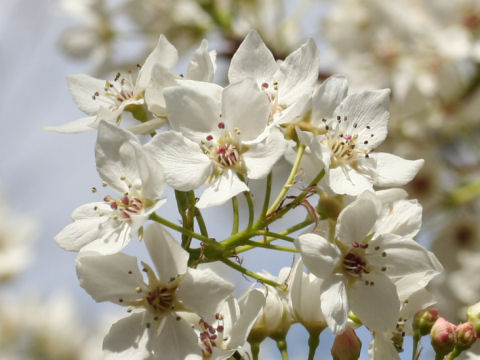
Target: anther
(221, 125)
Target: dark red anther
(114, 205)
(355, 244)
(125, 200)
(209, 138)
(220, 328)
(221, 125)
(265, 85)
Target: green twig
(178, 228)
(247, 272)
(235, 215)
(313, 342)
(268, 192)
(253, 244)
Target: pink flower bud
(346, 346)
(443, 336)
(424, 320)
(466, 335)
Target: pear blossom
(360, 266)
(285, 81)
(349, 128)
(107, 227)
(214, 137)
(106, 100)
(227, 335)
(155, 326)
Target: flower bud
(346, 346)
(466, 335)
(424, 320)
(473, 316)
(443, 336)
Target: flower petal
(246, 107)
(194, 108)
(357, 219)
(402, 217)
(252, 60)
(166, 253)
(334, 302)
(346, 180)
(328, 96)
(260, 158)
(202, 64)
(83, 87)
(111, 277)
(202, 291)
(75, 126)
(369, 111)
(223, 189)
(392, 170)
(319, 255)
(183, 163)
(127, 339)
(375, 301)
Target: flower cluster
(364, 265)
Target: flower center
(225, 151)
(354, 262)
(117, 91)
(125, 206)
(161, 298)
(211, 336)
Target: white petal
(161, 78)
(127, 339)
(392, 170)
(246, 107)
(391, 195)
(75, 126)
(201, 66)
(298, 73)
(148, 126)
(202, 291)
(164, 54)
(328, 96)
(319, 255)
(334, 302)
(115, 154)
(260, 158)
(250, 308)
(166, 253)
(356, 220)
(366, 109)
(79, 233)
(376, 305)
(223, 189)
(194, 108)
(176, 340)
(381, 348)
(346, 180)
(183, 163)
(252, 60)
(403, 257)
(110, 278)
(83, 87)
(113, 236)
(403, 217)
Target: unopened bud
(424, 320)
(346, 346)
(473, 316)
(443, 336)
(466, 335)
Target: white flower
(108, 226)
(228, 333)
(214, 136)
(362, 264)
(155, 326)
(351, 127)
(285, 81)
(106, 100)
(305, 290)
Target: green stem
(296, 227)
(178, 228)
(290, 179)
(236, 217)
(255, 347)
(313, 342)
(416, 340)
(253, 244)
(455, 353)
(201, 222)
(247, 272)
(282, 347)
(275, 235)
(250, 205)
(268, 192)
(183, 205)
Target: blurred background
(426, 51)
